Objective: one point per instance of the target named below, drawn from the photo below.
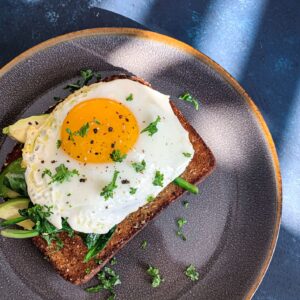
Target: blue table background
(257, 41)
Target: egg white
(80, 202)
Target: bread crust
(68, 261)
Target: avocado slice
(19, 233)
(10, 209)
(18, 130)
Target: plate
(232, 224)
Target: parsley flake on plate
(180, 223)
(192, 273)
(155, 275)
(108, 279)
(117, 156)
(152, 127)
(113, 261)
(107, 191)
(129, 97)
(189, 98)
(62, 174)
(132, 190)
(139, 167)
(185, 204)
(158, 179)
(144, 244)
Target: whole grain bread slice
(69, 260)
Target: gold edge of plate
(189, 49)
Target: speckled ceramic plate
(232, 224)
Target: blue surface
(257, 41)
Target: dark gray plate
(232, 225)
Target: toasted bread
(69, 260)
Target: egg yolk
(93, 129)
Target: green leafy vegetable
(130, 97)
(152, 127)
(144, 244)
(72, 87)
(117, 156)
(87, 75)
(186, 185)
(108, 279)
(83, 130)
(107, 191)
(156, 277)
(158, 179)
(62, 174)
(139, 167)
(132, 190)
(58, 144)
(192, 273)
(12, 180)
(189, 98)
(12, 221)
(38, 214)
(186, 154)
(96, 242)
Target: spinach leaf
(97, 242)
(12, 180)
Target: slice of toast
(69, 260)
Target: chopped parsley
(107, 191)
(158, 179)
(130, 97)
(132, 190)
(150, 198)
(83, 130)
(87, 75)
(144, 244)
(192, 273)
(62, 174)
(113, 261)
(139, 167)
(180, 223)
(186, 154)
(72, 87)
(58, 144)
(108, 279)
(156, 277)
(55, 98)
(152, 127)
(71, 137)
(117, 156)
(185, 204)
(189, 98)
(88, 270)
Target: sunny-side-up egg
(82, 135)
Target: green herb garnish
(72, 87)
(130, 97)
(158, 179)
(87, 75)
(62, 174)
(108, 279)
(152, 127)
(88, 270)
(113, 261)
(192, 273)
(156, 277)
(96, 121)
(71, 137)
(107, 191)
(180, 223)
(83, 130)
(144, 244)
(139, 167)
(150, 198)
(117, 156)
(185, 204)
(189, 98)
(186, 154)
(132, 190)
(58, 144)
(55, 98)
(186, 185)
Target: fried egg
(82, 134)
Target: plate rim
(146, 34)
